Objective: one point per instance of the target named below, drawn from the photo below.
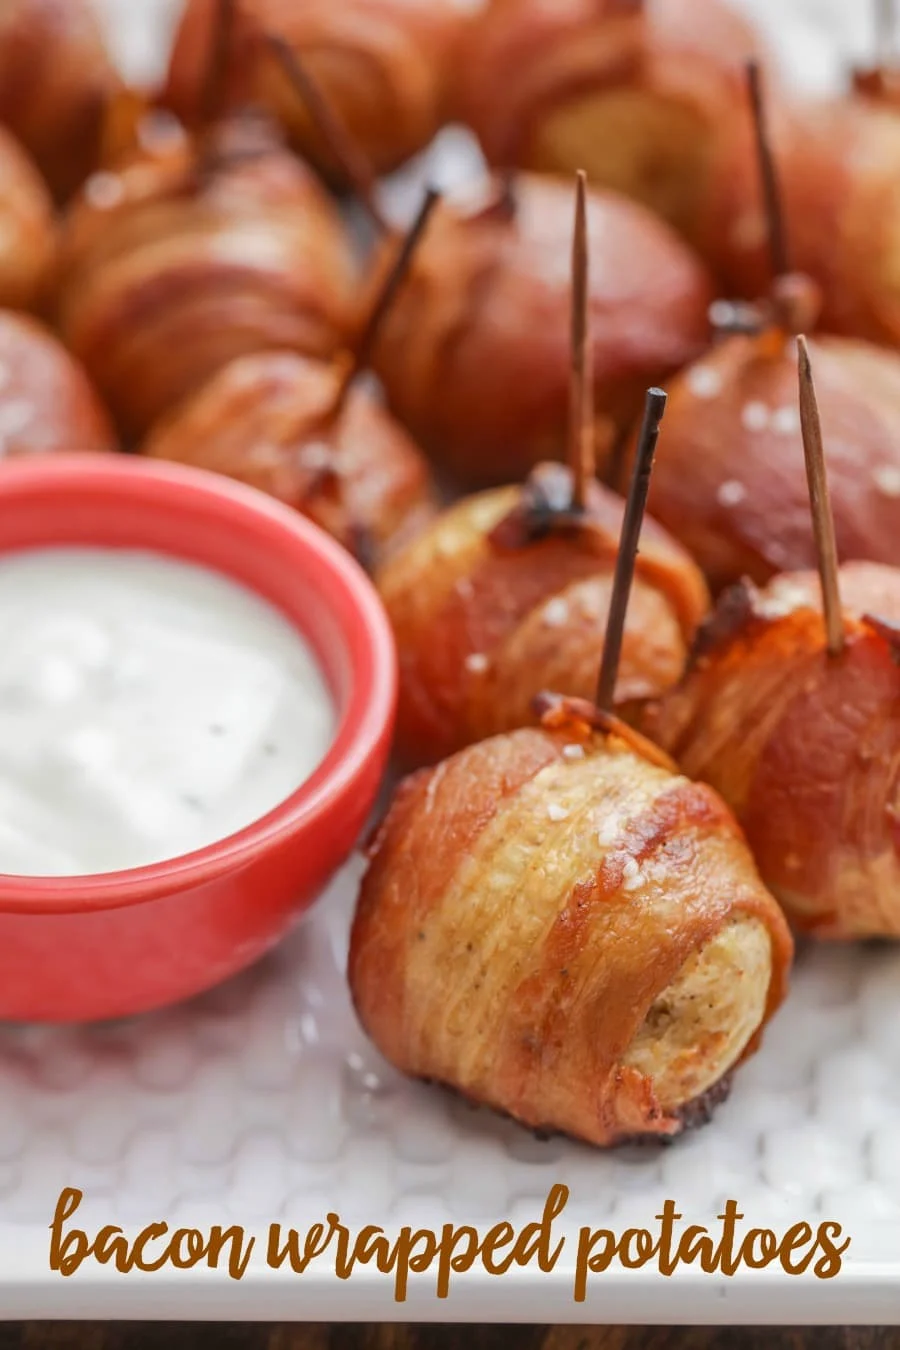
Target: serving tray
(262, 1103)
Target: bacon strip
(382, 66)
(487, 617)
(805, 748)
(198, 257)
(527, 903)
(475, 354)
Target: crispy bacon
(186, 258)
(835, 163)
(635, 94)
(529, 916)
(475, 354)
(488, 613)
(57, 81)
(382, 65)
(264, 419)
(804, 747)
(731, 484)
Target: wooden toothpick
(385, 298)
(221, 39)
(581, 405)
(352, 162)
(654, 407)
(820, 502)
(778, 250)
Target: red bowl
(90, 947)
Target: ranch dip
(148, 707)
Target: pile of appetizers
(649, 710)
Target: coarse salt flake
(15, 416)
(755, 416)
(631, 875)
(785, 421)
(104, 190)
(573, 751)
(731, 493)
(477, 663)
(704, 382)
(314, 455)
(887, 480)
(785, 600)
(556, 613)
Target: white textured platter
(262, 1102)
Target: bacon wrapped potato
(47, 403)
(475, 353)
(505, 595)
(732, 485)
(835, 164)
(267, 420)
(558, 926)
(382, 65)
(187, 257)
(57, 80)
(803, 746)
(633, 93)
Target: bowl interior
(195, 522)
(199, 517)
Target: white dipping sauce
(148, 707)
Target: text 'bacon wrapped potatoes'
(557, 925)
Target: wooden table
(229, 1336)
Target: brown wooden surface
(206, 1336)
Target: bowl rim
(370, 704)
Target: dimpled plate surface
(262, 1102)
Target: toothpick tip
(820, 504)
(804, 364)
(656, 402)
